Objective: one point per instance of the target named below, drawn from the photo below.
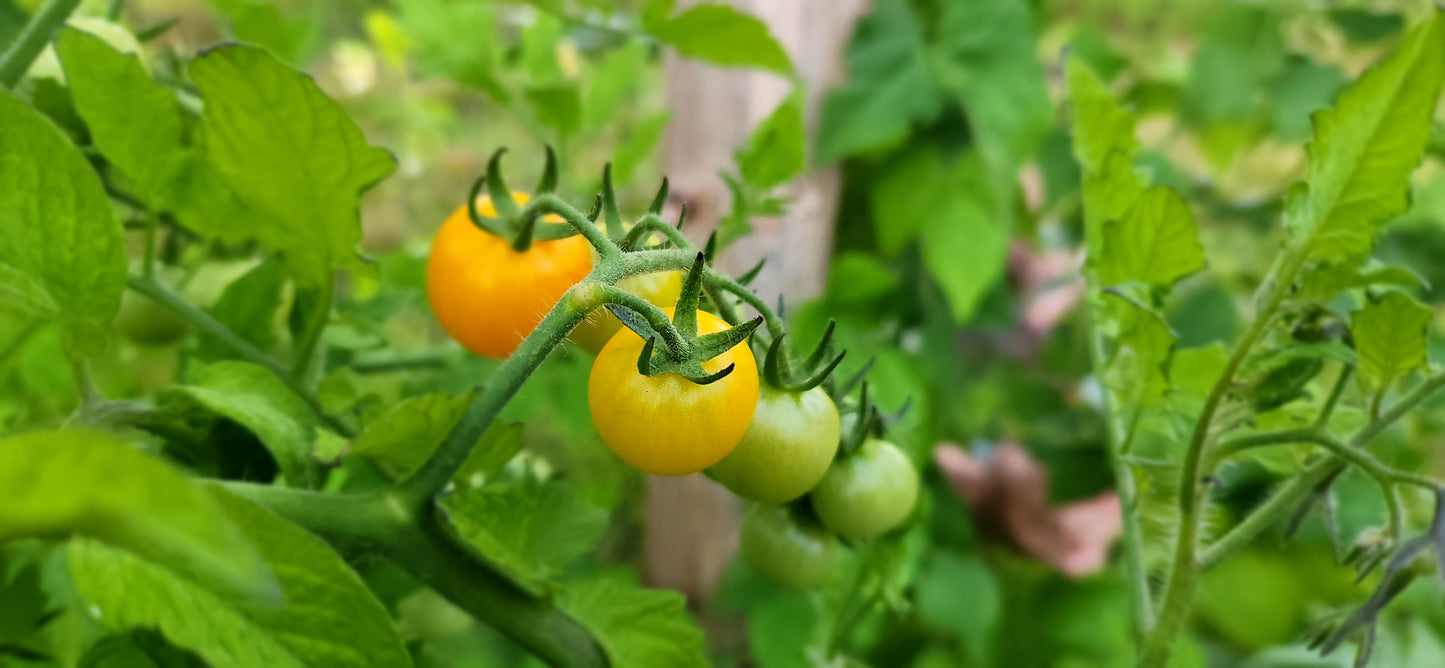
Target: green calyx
(685, 355)
(778, 371)
(520, 225)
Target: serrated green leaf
(1363, 151)
(1155, 242)
(1100, 125)
(62, 251)
(637, 628)
(1142, 346)
(528, 528)
(890, 86)
(403, 436)
(327, 616)
(88, 483)
(290, 154)
(134, 122)
(774, 152)
(722, 35)
(1391, 337)
(138, 649)
(1108, 195)
(253, 397)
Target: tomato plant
(1156, 274)
(788, 550)
(787, 448)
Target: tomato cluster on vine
(699, 401)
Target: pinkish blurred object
(1008, 496)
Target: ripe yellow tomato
(661, 288)
(488, 296)
(667, 424)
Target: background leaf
(890, 86)
(721, 35)
(90, 484)
(62, 253)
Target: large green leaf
(721, 35)
(134, 122)
(890, 86)
(90, 484)
(62, 251)
(290, 154)
(1391, 337)
(1155, 242)
(529, 528)
(637, 628)
(1363, 151)
(328, 616)
(253, 397)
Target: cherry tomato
(787, 449)
(488, 296)
(868, 492)
(148, 322)
(789, 550)
(661, 288)
(667, 424)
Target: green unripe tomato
(788, 447)
(148, 322)
(868, 492)
(786, 549)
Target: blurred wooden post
(692, 521)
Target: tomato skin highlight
(660, 288)
(667, 424)
(867, 493)
(787, 550)
(787, 449)
(489, 297)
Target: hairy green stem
(32, 39)
(1184, 571)
(204, 322)
(305, 355)
(1124, 484)
(1292, 493)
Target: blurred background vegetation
(956, 180)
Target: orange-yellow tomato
(667, 424)
(487, 295)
